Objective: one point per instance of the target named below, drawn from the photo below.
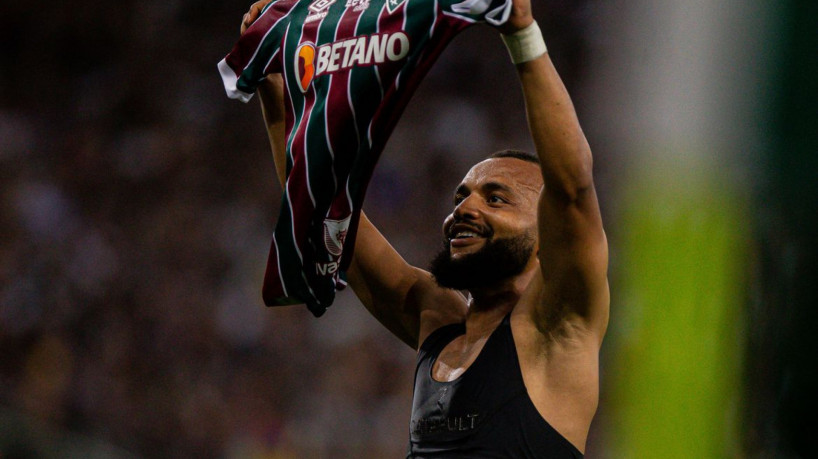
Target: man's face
(492, 233)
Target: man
(511, 369)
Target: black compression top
(486, 412)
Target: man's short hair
(518, 154)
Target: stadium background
(137, 204)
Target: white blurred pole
(676, 88)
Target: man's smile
(465, 241)
(462, 235)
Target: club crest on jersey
(335, 232)
(392, 5)
(318, 10)
(364, 50)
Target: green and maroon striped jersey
(349, 68)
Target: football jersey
(349, 69)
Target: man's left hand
(519, 19)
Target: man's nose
(467, 209)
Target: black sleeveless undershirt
(485, 413)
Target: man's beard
(497, 260)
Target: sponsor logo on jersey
(318, 10)
(320, 5)
(305, 64)
(363, 50)
(326, 269)
(357, 5)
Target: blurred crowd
(137, 204)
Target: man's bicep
(382, 280)
(403, 298)
(574, 261)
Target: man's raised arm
(573, 249)
(394, 292)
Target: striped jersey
(349, 69)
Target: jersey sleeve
(257, 52)
(494, 12)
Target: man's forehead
(512, 171)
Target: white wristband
(526, 44)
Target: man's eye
(496, 199)
(458, 198)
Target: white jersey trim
(230, 79)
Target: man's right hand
(252, 15)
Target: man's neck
(488, 305)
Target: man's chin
(480, 262)
(461, 253)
